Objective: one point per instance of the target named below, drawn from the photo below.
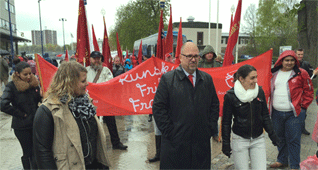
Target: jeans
(245, 149)
(288, 130)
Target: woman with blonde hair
(67, 133)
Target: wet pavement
(138, 134)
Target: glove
(275, 140)
(226, 149)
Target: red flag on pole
(119, 52)
(231, 25)
(82, 49)
(66, 56)
(160, 51)
(228, 57)
(169, 38)
(96, 47)
(106, 49)
(179, 43)
(140, 53)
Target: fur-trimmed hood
(22, 85)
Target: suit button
(55, 158)
(72, 145)
(74, 163)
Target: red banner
(133, 92)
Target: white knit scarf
(245, 95)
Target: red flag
(66, 55)
(127, 54)
(169, 38)
(120, 54)
(231, 25)
(228, 56)
(45, 71)
(140, 53)
(96, 47)
(106, 49)
(160, 51)
(179, 44)
(82, 49)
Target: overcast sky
(27, 14)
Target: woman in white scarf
(247, 104)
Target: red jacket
(300, 88)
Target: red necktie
(191, 78)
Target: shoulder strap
(97, 75)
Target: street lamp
(63, 19)
(41, 27)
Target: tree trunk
(308, 32)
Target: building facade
(49, 37)
(5, 40)
(198, 33)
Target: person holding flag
(96, 73)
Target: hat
(95, 54)
(208, 49)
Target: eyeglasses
(191, 56)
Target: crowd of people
(59, 129)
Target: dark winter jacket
(20, 98)
(249, 118)
(187, 117)
(118, 70)
(305, 65)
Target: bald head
(189, 57)
(188, 45)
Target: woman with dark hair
(67, 133)
(20, 99)
(247, 104)
(291, 94)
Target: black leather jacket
(249, 118)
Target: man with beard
(96, 73)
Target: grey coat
(187, 116)
(4, 69)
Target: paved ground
(137, 133)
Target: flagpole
(217, 29)
(209, 34)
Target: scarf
(23, 85)
(80, 106)
(245, 95)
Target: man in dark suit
(186, 111)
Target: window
(223, 41)
(11, 7)
(200, 38)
